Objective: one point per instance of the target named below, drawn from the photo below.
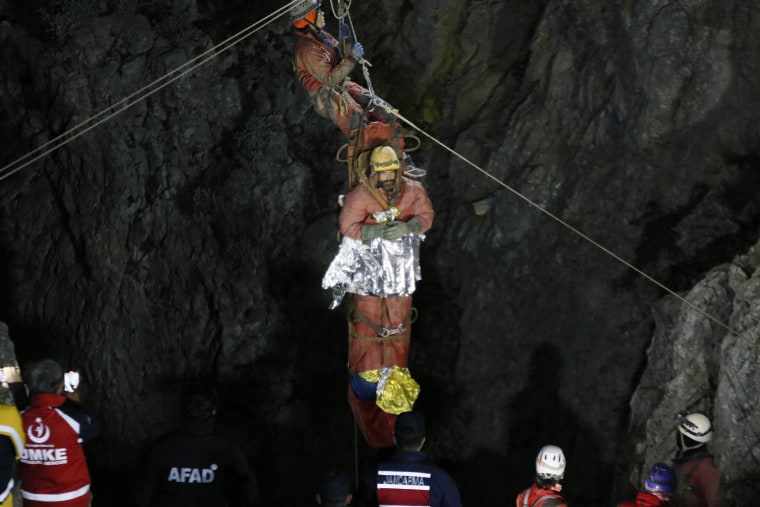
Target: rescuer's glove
(345, 30)
(370, 232)
(357, 51)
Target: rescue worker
(11, 446)
(12, 397)
(195, 466)
(53, 467)
(698, 479)
(323, 72)
(409, 478)
(658, 488)
(550, 472)
(334, 489)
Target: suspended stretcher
(355, 153)
(380, 310)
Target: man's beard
(388, 187)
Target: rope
(344, 6)
(141, 94)
(554, 217)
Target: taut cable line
(557, 219)
(208, 55)
(141, 94)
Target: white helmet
(696, 426)
(303, 7)
(550, 462)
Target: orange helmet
(304, 13)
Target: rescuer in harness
(550, 471)
(699, 480)
(658, 488)
(322, 69)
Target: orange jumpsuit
(322, 74)
(367, 350)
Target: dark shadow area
(539, 417)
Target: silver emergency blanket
(379, 268)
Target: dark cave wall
(187, 236)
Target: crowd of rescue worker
(44, 429)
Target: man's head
(550, 467)
(334, 488)
(306, 13)
(694, 430)
(44, 377)
(409, 431)
(199, 403)
(660, 481)
(386, 168)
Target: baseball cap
(410, 425)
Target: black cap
(334, 485)
(410, 425)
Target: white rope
(181, 71)
(346, 9)
(141, 94)
(554, 217)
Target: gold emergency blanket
(396, 389)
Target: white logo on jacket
(44, 456)
(38, 432)
(192, 475)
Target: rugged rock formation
(697, 364)
(186, 236)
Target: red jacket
(644, 499)
(698, 479)
(539, 497)
(53, 468)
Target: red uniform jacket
(539, 497)
(52, 467)
(699, 480)
(644, 499)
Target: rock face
(185, 235)
(698, 364)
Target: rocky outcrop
(702, 359)
(186, 236)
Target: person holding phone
(53, 467)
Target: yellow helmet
(384, 158)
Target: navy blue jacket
(196, 467)
(443, 492)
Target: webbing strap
(380, 331)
